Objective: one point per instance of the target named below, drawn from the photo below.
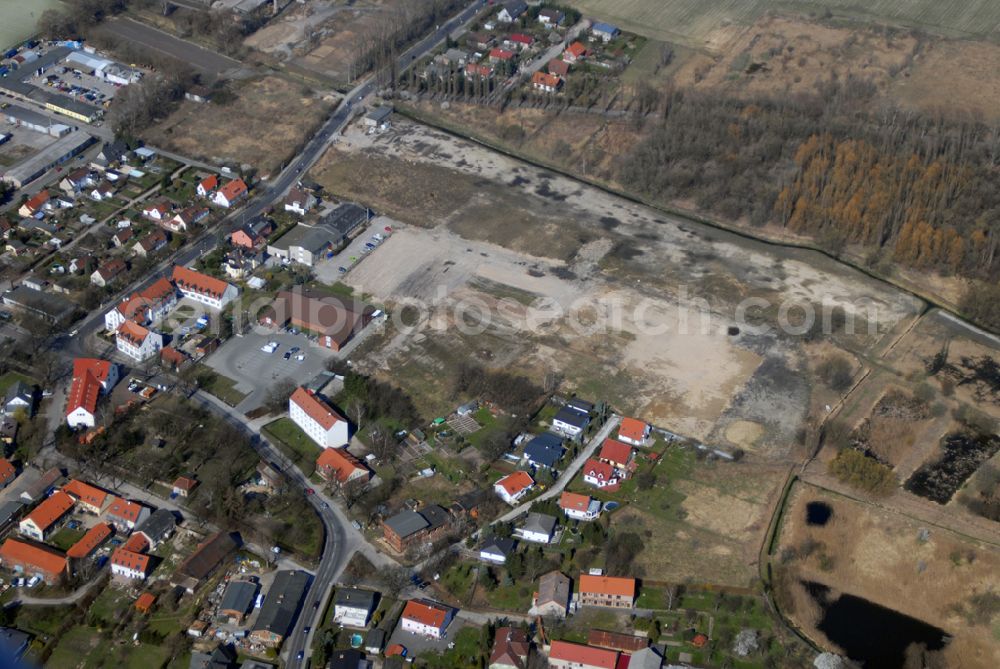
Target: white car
(35, 580)
(270, 347)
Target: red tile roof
(478, 69)
(496, 53)
(601, 471)
(338, 462)
(425, 613)
(90, 541)
(617, 640)
(585, 655)
(543, 79)
(145, 602)
(576, 49)
(521, 38)
(7, 470)
(124, 509)
(42, 558)
(133, 332)
(632, 428)
(131, 560)
(36, 202)
(558, 66)
(52, 509)
(233, 189)
(574, 501)
(607, 585)
(210, 182)
(185, 483)
(615, 451)
(112, 268)
(516, 482)
(196, 282)
(88, 374)
(136, 543)
(315, 408)
(86, 493)
(510, 647)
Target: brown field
(877, 554)
(263, 127)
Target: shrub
(860, 471)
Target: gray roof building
(583, 406)
(13, 643)
(539, 522)
(375, 640)
(406, 523)
(378, 115)
(348, 659)
(10, 512)
(545, 450)
(646, 658)
(282, 604)
(355, 598)
(158, 527)
(572, 417)
(41, 486)
(256, 664)
(223, 657)
(19, 394)
(57, 152)
(238, 598)
(435, 516)
(499, 546)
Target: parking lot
(328, 271)
(417, 645)
(83, 87)
(256, 372)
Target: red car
(310, 491)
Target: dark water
(818, 513)
(870, 633)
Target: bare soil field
(630, 306)
(262, 127)
(888, 558)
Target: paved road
(71, 598)
(165, 43)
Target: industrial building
(58, 152)
(32, 120)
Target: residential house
(566, 655)
(349, 658)
(8, 430)
(551, 17)
(237, 600)
(579, 507)
(126, 515)
(600, 474)
(150, 244)
(252, 235)
(538, 527)
(633, 431)
(553, 596)
(496, 550)
(203, 288)
(76, 181)
(333, 319)
(511, 647)
(317, 419)
(108, 272)
(353, 607)
(157, 211)
(544, 451)
(513, 487)
(144, 603)
(479, 40)
(337, 464)
(157, 528)
(408, 528)
(281, 606)
(299, 201)
(113, 152)
(375, 641)
(240, 263)
(207, 186)
(546, 82)
(130, 562)
(43, 518)
(8, 472)
(103, 191)
(145, 307)
(608, 591)
(138, 342)
(183, 485)
(173, 359)
(90, 541)
(511, 11)
(31, 559)
(616, 453)
(91, 379)
(647, 658)
(19, 396)
(519, 41)
(89, 498)
(120, 238)
(455, 57)
(604, 31)
(558, 67)
(619, 641)
(478, 70)
(185, 218)
(231, 193)
(426, 618)
(34, 204)
(310, 241)
(570, 422)
(41, 488)
(498, 55)
(574, 53)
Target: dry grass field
(262, 127)
(882, 556)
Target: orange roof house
(130, 564)
(144, 604)
(317, 409)
(514, 486)
(136, 543)
(35, 203)
(633, 431)
(230, 193)
(600, 474)
(90, 377)
(610, 591)
(184, 485)
(338, 464)
(208, 184)
(498, 54)
(566, 654)
(43, 518)
(574, 52)
(7, 472)
(90, 541)
(615, 453)
(425, 617)
(317, 419)
(126, 514)
(91, 498)
(558, 66)
(544, 81)
(203, 288)
(32, 559)
(579, 507)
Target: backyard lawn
(293, 442)
(223, 388)
(65, 538)
(10, 378)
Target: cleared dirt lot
(262, 127)
(617, 299)
(882, 556)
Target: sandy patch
(720, 513)
(744, 433)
